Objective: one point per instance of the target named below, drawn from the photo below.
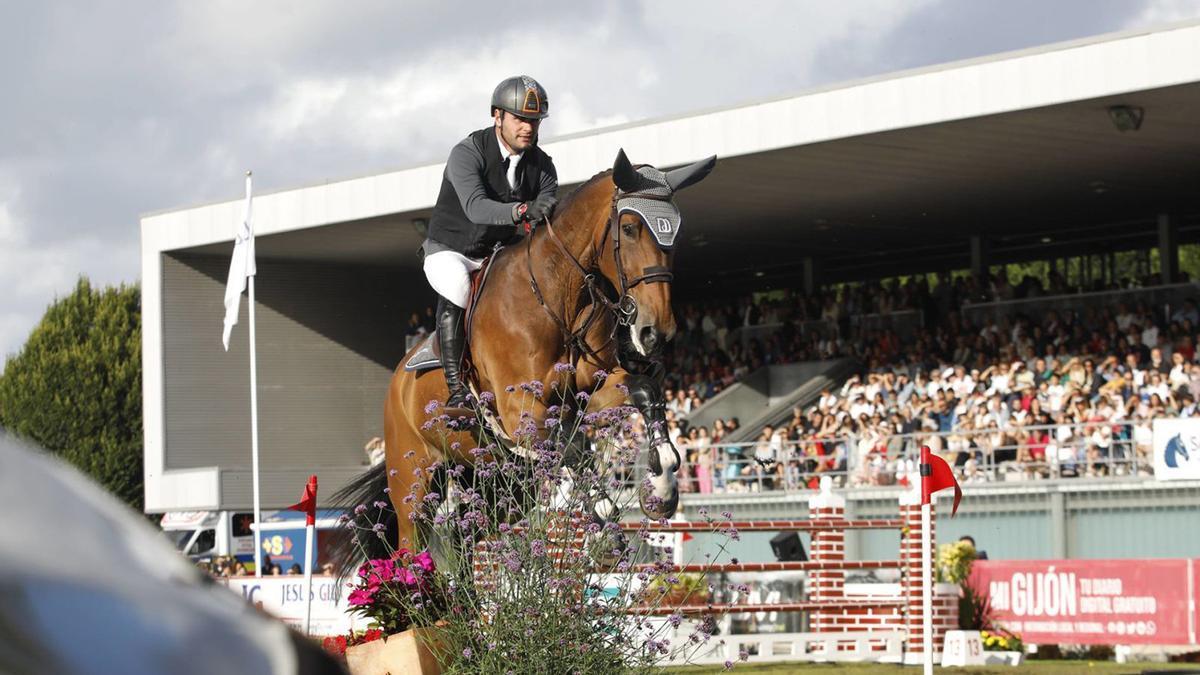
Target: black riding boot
(451, 334)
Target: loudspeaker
(787, 547)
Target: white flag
(241, 267)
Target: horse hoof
(657, 508)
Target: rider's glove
(534, 212)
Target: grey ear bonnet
(661, 216)
(656, 209)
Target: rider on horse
(498, 184)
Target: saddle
(428, 355)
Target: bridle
(624, 309)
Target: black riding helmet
(521, 95)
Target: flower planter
(406, 653)
(1003, 658)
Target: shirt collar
(504, 151)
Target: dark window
(205, 542)
(242, 523)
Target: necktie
(510, 165)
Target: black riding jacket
(474, 208)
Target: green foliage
(75, 388)
(974, 608)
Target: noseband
(624, 310)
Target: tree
(75, 388)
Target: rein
(624, 309)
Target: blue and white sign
(1177, 449)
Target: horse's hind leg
(408, 461)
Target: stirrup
(460, 404)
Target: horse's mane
(573, 195)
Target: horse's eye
(627, 228)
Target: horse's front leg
(659, 493)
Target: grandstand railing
(1166, 298)
(904, 322)
(1090, 449)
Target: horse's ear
(690, 174)
(623, 174)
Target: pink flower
(360, 597)
(383, 570)
(424, 560)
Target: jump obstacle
(842, 628)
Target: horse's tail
(351, 546)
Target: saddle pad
(427, 356)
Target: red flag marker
(937, 475)
(308, 504)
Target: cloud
(114, 109)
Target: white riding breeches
(449, 272)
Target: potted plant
(974, 610)
(677, 590)
(1002, 647)
(400, 596)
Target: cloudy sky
(118, 108)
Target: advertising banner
(283, 597)
(1114, 602)
(1177, 449)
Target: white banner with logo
(1177, 449)
(283, 597)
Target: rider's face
(519, 133)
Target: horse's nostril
(649, 337)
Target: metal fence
(1167, 299)
(1012, 454)
(904, 322)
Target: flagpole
(309, 554)
(927, 587)
(258, 570)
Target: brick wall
(828, 585)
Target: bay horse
(535, 312)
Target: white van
(204, 535)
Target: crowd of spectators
(230, 566)
(1037, 394)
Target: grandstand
(916, 231)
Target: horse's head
(637, 250)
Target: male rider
(498, 184)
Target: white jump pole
(927, 588)
(308, 562)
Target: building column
(1058, 525)
(1168, 247)
(810, 275)
(979, 256)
